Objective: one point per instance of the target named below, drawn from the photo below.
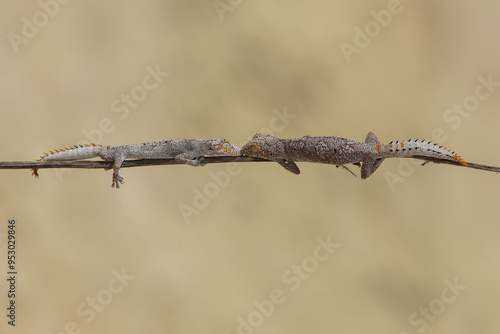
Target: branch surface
(90, 164)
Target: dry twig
(91, 164)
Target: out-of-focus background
(251, 248)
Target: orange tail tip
(459, 159)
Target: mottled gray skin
(329, 150)
(340, 151)
(185, 150)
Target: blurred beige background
(248, 261)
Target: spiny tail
(419, 150)
(429, 152)
(76, 152)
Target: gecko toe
(197, 161)
(117, 179)
(201, 160)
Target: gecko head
(222, 147)
(264, 146)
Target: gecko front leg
(289, 165)
(191, 159)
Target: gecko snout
(252, 149)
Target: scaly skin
(188, 151)
(340, 151)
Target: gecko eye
(226, 146)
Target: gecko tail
(76, 152)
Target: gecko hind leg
(369, 166)
(117, 178)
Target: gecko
(188, 151)
(341, 151)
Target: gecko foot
(117, 179)
(191, 159)
(197, 161)
(200, 160)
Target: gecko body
(341, 151)
(188, 151)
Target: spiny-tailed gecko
(189, 151)
(340, 151)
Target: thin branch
(89, 164)
(95, 164)
(456, 163)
